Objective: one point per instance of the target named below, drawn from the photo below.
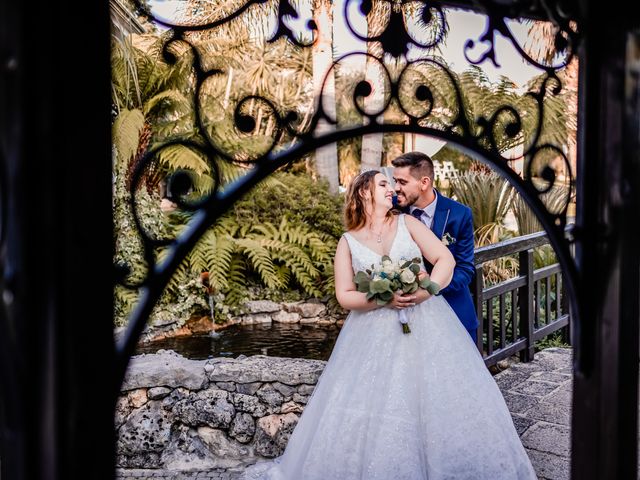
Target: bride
(390, 405)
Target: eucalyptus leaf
(425, 282)
(379, 286)
(386, 296)
(433, 288)
(361, 277)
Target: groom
(449, 220)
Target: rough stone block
(549, 438)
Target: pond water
(275, 339)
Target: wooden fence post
(478, 287)
(527, 301)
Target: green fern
(179, 157)
(125, 301)
(126, 133)
(225, 250)
(179, 277)
(278, 257)
(164, 99)
(261, 261)
(236, 281)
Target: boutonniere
(447, 239)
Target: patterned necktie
(417, 213)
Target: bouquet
(380, 282)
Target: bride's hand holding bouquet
(383, 280)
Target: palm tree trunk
(258, 122)
(143, 145)
(270, 126)
(227, 92)
(326, 157)
(372, 144)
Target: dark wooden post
(605, 395)
(526, 304)
(56, 418)
(564, 307)
(478, 287)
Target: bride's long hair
(355, 204)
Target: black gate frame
(56, 242)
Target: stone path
(538, 395)
(539, 398)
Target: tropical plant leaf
(180, 157)
(489, 197)
(167, 99)
(126, 133)
(260, 260)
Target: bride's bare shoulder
(343, 250)
(354, 234)
(343, 242)
(411, 221)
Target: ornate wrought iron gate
(56, 202)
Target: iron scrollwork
(407, 89)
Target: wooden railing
(518, 312)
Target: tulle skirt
(393, 406)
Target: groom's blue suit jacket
(455, 219)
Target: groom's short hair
(420, 164)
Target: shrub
(277, 243)
(299, 198)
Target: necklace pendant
(379, 239)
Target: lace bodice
(402, 248)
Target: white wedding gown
(394, 406)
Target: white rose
(388, 268)
(407, 276)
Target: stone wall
(180, 414)
(256, 312)
(266, 311)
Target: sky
(463, 25)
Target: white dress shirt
(429, 212)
